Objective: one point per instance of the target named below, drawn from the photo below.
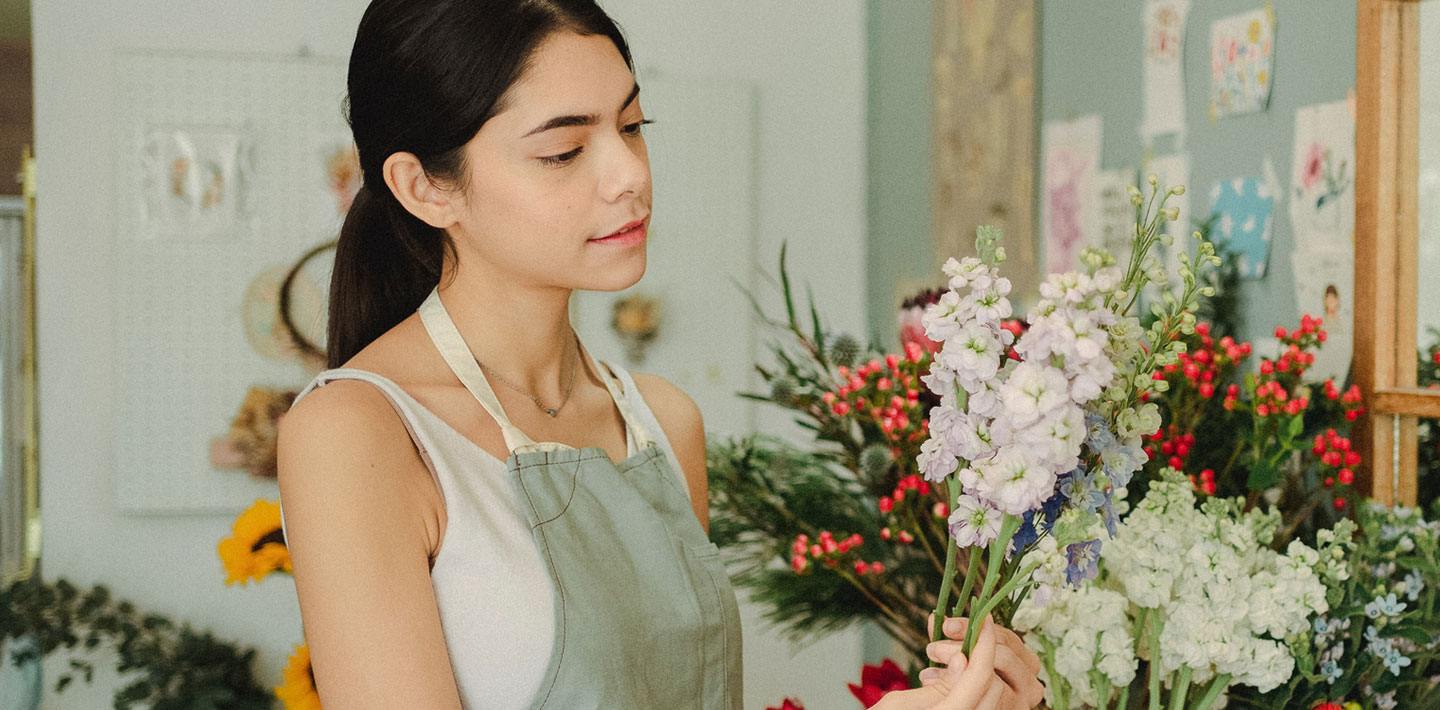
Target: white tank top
(491, 586)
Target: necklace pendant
(552, 412)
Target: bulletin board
(1093, 64)
(221, 172)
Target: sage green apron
(644, 613)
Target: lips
(626, 228)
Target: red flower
(789, 704)
(1327, 706)
(876, 681)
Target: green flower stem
(948, 579)
(969, 585)
(1180, 689)
(1153, 636)
(1124, 698)
(1009, 587)
(1059, 691)
(1100, 686)
(992, 569)
(1212, 691)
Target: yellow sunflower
(298, 692)
(256, 546)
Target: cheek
(540, 207)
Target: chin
(614, 279)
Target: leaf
(785, 285)
(1262, 475)
(819, 332)
(1297, 425)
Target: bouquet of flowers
(1196, 593)
(981, 439)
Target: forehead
(569, 73)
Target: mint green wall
(897, 137)
(1091, 63)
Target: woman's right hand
(961, 685)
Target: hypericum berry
(1346, 476)
(800, 563)
(861, 567)
(906, 537)
(1339, 503)
(886, 504)
(884, 533)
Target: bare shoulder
(684, 427)
(361, 533)
(667, 401)
(344, 443)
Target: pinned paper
(1324, 278)
(1072, 156)
(1241, 59)
(1164, 60)
(1244, 212)
(1322, 182)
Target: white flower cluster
(1086, 630)
(1226, 604)
(1021, 423)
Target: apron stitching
(574, 486)
(724, 635)
(559, 586)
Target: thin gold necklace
(552, 412)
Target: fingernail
(954, 624)
(929, 674)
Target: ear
(406, 178)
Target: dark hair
(425, 75)
(1330, 290)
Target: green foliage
(178, 668)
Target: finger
(955, 627)
(1015, 643)
(1010, 669)
(994, 697)
(942, 651)
(961, 690)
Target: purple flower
(1082, 562)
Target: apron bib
(645, 616)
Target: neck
(520, 331)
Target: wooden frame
(1387, 133)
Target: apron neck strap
(461, 360)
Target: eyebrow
(581, 120)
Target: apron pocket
(720, 615)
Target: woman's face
(561, 165)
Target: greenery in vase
(179, 668)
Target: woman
(540, 544)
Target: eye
(560, 159)
(633, 129)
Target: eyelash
(632, 129)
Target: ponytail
(386, 262)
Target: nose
(627, 169)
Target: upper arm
(356, 523)
(680, 417)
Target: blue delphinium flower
(1082, 562)
(1079, 487)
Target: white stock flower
(936, 460)
(974, 522)
(1032, 391)
(973, 354)
(1013, 482)
(943, 319)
